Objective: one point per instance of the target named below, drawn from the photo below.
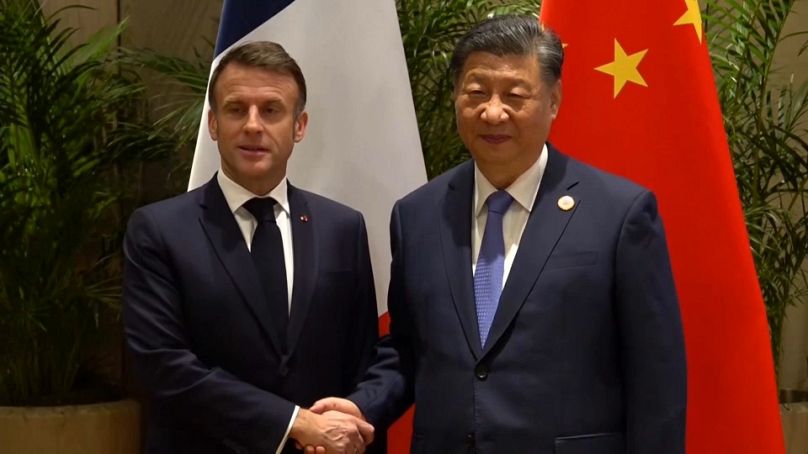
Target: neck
(503, 176)
(257, 186)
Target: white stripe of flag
(362, 146)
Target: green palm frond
(67, 116)
(766, 119)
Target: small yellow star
(691, 17)
(624, 68)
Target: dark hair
(511, 35)
(265, 55)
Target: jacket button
(470, 439)
(481, 372)
(283, 368)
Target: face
(504, 111)
(254, 125)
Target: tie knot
(263, 208)
(498, 202)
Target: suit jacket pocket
(598, 443)
(583, 258)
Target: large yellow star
(624, 68)
(691, 17)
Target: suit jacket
(199, 329)
(585, 353)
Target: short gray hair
(511, 35)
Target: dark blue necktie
(490, 263)
(267, 253)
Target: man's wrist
(302, 424)
(287, 434)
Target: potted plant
(72, 130)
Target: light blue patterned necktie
(490, 263)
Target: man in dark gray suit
(531, 300)
(248, 299)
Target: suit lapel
(544, 227)
(455, 230)
(304, 244)
(224, 235)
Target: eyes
(236, 109)
(481, 94)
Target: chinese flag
(639, 100)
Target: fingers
(336, 404)
(353, 431)
(365, 430)
(332, 431)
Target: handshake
(331, 425)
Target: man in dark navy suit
(531, 300)
(248, 299)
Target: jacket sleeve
(207, 399)
(386, 391)
(651, 339)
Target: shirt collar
(523, 190)
(236, 195)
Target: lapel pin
(566, 203)
(304, 218)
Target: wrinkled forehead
(238, 80)
(484, 66)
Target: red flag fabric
(639, 100)
(399, 436)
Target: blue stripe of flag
(240, 17)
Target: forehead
(238, 80)
(487, 66)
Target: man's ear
(555, 99)
(213, 126)
(301, 123)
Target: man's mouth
(495, 138)
(253, 148)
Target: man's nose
(253, 123)
(493, 111)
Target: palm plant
(179, 113)
(430, 29)
(71, 122)
(765, 119)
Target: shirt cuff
(288, 429)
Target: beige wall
(174, 27)
(794, 360)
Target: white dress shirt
(236, 196)
(524, 191)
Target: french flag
(362, 146)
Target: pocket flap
(583, 258)
(598, 443)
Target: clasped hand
(332, 425)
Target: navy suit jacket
(199, 329)
(585, 353)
